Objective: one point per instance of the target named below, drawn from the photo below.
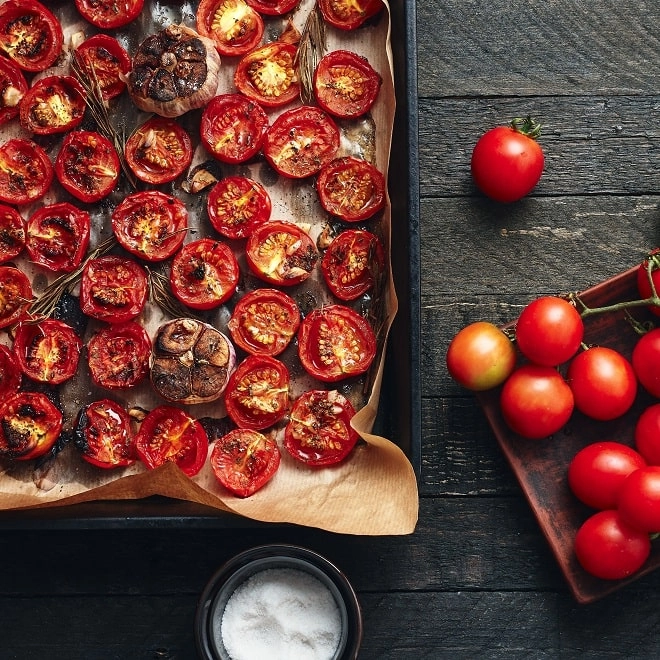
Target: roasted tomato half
(118, 355)
(12, 233)
(87, 165)
(159, 150)
(233, 128)
(273, 7)
(269, 74)
(108, 14)
(335, 342)
(257, 394)
(150, 224)
(238, 205)
(281, 253)
(13, 88)
(10, 373)
(353, 263)
(244, 460)
(264, 321)
(351, 189)
(204, 274)
(168, 434)
(345, 84)
(232, 25)
(25, 172)
(102, 57)
(15, 295)
(30, 424)
(55, 104)
(319, 431)
(48, 351)
(349, 14)
(104, 436)
(57, 236)
(30, 35)
(113, 288)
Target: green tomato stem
(527, 126)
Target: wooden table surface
(477, 578)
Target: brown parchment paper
(374, 491)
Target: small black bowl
(233, 573)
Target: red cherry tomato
(29, 426)
(104, 436)
(646, 361)
(273, 7)
(647, 434)
(12, 233)
(597, 472)
(10, 373)
(232, 25)
(113, 289)
(351, 189)
(536, 401)
(57, 236)
(48, 351)
(15, 295)
(109, 14)
(204, 274)
(335, 342)
(639, 499)
(264, 321)
(608, 548)
(649, 270)
(13, 88)
(480, 356)
(319, 431)
(55, 104)
(603, 383)
(244, 460)
(549, 331)
(25, 172)
(168, 434)
(118, 355)
(349, 14)
(87, 165)
(102, 57)
(507, 161)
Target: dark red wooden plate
(541, 465)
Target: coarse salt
(281, 614)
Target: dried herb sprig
(310, 50)
(160, 294)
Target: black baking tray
(399, 415)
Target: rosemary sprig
(310, 50)
(160, 294)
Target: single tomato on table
(12, 233)
(349, 14)
(102, 57)
(25, 172)
(109, 14)
(232, 25)
(55, 104)
(13, 88)
(10, 373)
(15, 295)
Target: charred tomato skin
(349, 14)
(108, 14)
(26, 172)
(102, 55)
(233, 25)
(38, 115)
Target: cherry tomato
(507, 161)
(273, 7)
(204, 274)
(349, 14)
(335, 342)
(232, 25)
(102, 57)
(264, 322)
(109, 14)
(15, 295)
(597, 472)
(118, 355)
(10, 373)
(87, 165)
(55, 104)
(536, 401)
(603, 383)
(29, 426)
(30, 35)
(646, 361)
(113, 288)
(104, 436)
(319, 431)
(480, 356)
(57, 236)
(351, 189)
(257, 394)
(301, 141)
(353, 263)
(244, 460)
(345, 84)
(238, 205)
(13, 88)
(608, 548)
(25, 172)
(281, 253)
(168, 434)
(549, 331)
(268, 75)
(158, 151)
(647, 434)
(649, 269)
(233, 128)
(150, 224)
(48, 351)
(639, 499)
(12, 233)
